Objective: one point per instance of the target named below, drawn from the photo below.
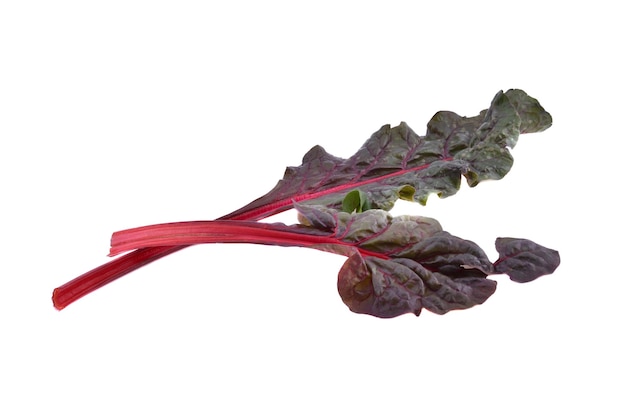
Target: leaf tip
(524, 260)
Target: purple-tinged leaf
(524, 260)
(382, 288)
(391, 287)
(457, 293)
(425, 267)
(397, 163)
(374, 230)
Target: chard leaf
(388, 288)
(458, 294)
(382, 288)
(397, 163)
(523, 260)
(403, 264)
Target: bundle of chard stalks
(395, 265)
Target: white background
(124, 113)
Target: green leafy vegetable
(395, 265)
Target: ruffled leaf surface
(404, 264)
(524, 260)
(398, 163)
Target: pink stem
(90, 281)
(208, 232)
(98, 277)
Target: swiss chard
(395, 265)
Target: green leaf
(355, 201)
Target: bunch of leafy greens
(395, 265)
